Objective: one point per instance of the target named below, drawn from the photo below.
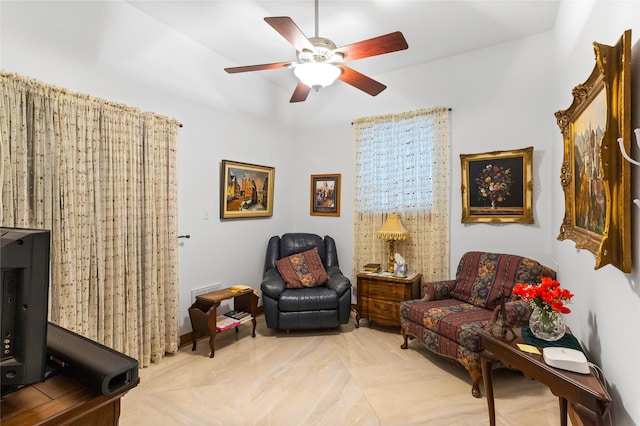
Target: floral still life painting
(494, 184)
(497, 186)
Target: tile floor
(355, 376)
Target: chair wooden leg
(405, 345)
(476, 375)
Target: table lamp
(392, 230)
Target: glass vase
(546, 324)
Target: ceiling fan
(320, 62)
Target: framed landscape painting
(594, 176)
(246, 190)
(325, 195)
(497, 186)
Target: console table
(588, 397)
(60, 400)
(203, 312)
(379, 297)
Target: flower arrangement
(494, 183)
(548, 296)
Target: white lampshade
(317, 74)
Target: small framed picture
(325, 195)
(246, 190)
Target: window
(402, 166)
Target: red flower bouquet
(547, 295)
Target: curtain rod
(448, 109)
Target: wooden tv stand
(60, 400)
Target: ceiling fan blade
(289, 30)
(233, 70)
(360, 81)
(380, 45)
(301, 92)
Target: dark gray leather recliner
(325, 306)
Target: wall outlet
(205, 214)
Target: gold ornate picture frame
(325, 195)
(497, 186)
(246, 190)
(594, 176)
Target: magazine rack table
(588, 397)
(203, 312)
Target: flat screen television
(24, 298)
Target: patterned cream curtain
(402, 166)
(103, 178)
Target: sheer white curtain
(402, 166)
(103, 178)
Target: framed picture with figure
(594, 176)
(325, 195)
(246, 190)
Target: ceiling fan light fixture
(320, 61)
(317, 74)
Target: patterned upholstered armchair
(449, 314)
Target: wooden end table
(586, 394)
(203, 312)
(379, 297)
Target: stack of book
(240, 316)
(240, 288)
(371, 267)
(224, 322)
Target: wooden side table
(589, 398)
(203, 312)
(379, 297)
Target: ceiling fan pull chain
(316, 21)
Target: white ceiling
(235, 29)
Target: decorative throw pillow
(482, 276)
(302, 269)
(474, 292)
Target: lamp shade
(393, 229)
(317, 74)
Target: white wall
(502, 98)
(230, 251)
(606, 308)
